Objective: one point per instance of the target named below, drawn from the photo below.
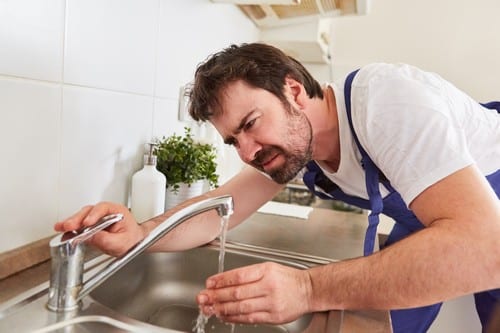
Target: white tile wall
(30, 159)
(112, 44)
(204, 28)
(102, 143)
(116, 68)
(165, 118)
(31, 35)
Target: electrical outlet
(182, 112)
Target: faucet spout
(66, 283)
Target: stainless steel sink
(160, 289)
(155, 292)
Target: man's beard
(297, 151)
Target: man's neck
(328, 140)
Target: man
(392, 139)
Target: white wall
(83, 84)
(458, 39)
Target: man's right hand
(115, 240)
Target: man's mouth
(268, 162)
(271, 164)
(267, 159)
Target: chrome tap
(67, 251)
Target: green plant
(183, 160)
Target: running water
(202, 320)
(222, 239)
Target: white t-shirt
(416, 127)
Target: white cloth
(416, 127)
(286, 209)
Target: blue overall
(406, 320)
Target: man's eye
(250, 124)
(231, 142)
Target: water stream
(202, 320)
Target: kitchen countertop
(328, 234)
(325, 233)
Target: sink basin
(160, 289)
(93, 323)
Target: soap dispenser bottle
(148, 188)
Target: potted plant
(186, 164)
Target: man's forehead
(230, 121)
(235, 88)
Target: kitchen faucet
(67, 251)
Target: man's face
(266, 134)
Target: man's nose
(248, 148)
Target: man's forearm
(433, 265)
(456, 254)
(205, 227)
(194, 232)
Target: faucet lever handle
(84, 233)
(102, 224)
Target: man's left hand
(262, 293)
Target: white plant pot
(184, 192)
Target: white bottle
(148, 189)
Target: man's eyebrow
(228, 139)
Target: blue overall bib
(406, 320)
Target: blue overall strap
(495, 105)
(371, 176)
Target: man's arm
(458, 253)
(250, 190)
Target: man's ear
(295, 91)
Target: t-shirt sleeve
(408, 128)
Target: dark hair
(259, 65)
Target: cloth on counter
(285, 209)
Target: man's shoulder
(397, 72)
